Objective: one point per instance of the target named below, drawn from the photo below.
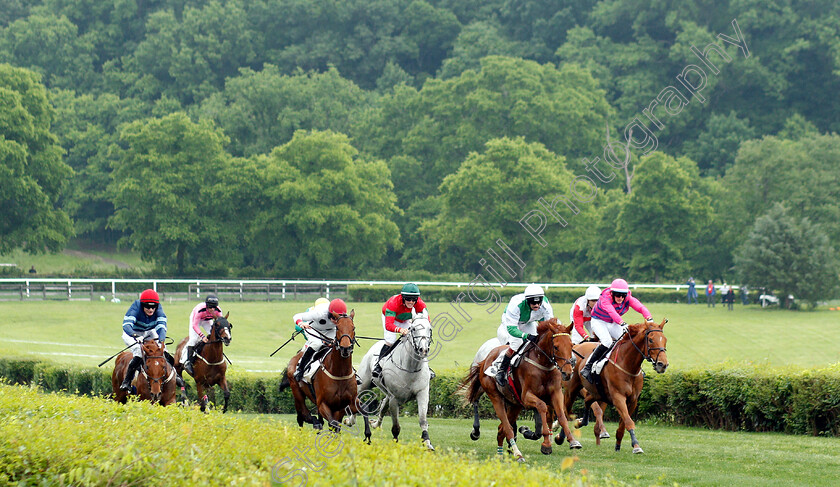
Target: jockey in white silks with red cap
(607, 323)
(318, 323)
(581, 313)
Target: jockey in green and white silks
(519, 322)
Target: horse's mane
(548, 324)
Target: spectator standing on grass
(692, 290)
(710, 294)
(724, 291)
(32, 270)
(745, 298)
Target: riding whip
(112, 356)
(287, 342)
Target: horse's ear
(227, 314)
(352, 313)
(566, 328)
(662, 325)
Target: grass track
(82, 332)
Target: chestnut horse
(538, 381)
(209, 367)
(621, 379)
(333, 387)
(156, 380)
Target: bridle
(647, 356)
(553, 357)
(216, 330)
(163, 380)
(418, 349)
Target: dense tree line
(311, 138)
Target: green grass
(96, 262)
(84, 333)
(673, 455)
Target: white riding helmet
(532, 291)
(592, 292)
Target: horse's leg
(631, 408)
(202, 397)
(529, 399)
(560, 411)
(625, 423)
(226, 390)
(303, 415)
(395, 417)
(499, 406)
(598, 409)
(327, 414)
(422, 411)
(475, 434)
(532, 435)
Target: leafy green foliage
(32, 171)
(790, 256)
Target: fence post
(328, 290)
(69, 290)
(283, 292)
(240, 290)
(113, 290)
(27, 289)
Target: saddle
(314, 365)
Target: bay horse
(156, 380)
(538, 380)
(333, 386)
(405, 376)
(621, 379)
(209, 367)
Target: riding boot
(188, 365)
(133, 367)
(304, 363)
(597, 355)
(377, 370)
(503, 368)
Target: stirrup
(377, 371)
(189, 367)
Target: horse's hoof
(603, 435)
(638, 449)
(475, 435)
(428, 445)
(575, 445)
(579, 424)
(520, 459)
(617, 447)
(545, 450)
(559, 439)
(367, 440)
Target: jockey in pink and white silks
(581, 313)
(519, 323)
(201, 320)
(607, 323)
(319, 327)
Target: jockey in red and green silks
(395, 314)
(519, 323)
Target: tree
(715, 148)
(164, 183)
(790, 256)
(484, 201)
(660, 220)
(31, 167)
(324, 211)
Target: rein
(644, 356)
(551, 358)
(166, 364)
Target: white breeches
(392, 336)
(136, 348)
(606, 332)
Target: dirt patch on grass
(85, 255)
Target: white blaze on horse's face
(421, 337)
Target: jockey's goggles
(618, 295)
(536, 300)
(150, 305)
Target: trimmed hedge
(445, 294)
(727, 396)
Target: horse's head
(154, 367)
(650, 340)
(420, 332)
(345, 330)
(556, 337)
(221, 329)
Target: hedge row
(52, 439)
(728, 396)
(443, 294)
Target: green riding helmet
(410, 290)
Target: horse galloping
(155, 380)
(333, 386)
(621, 379)
(538, 380)
(209, 368)
(405, 376)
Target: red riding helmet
(338, 306)
(149, 296)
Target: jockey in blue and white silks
(144, 319)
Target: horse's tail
(470, 387)
(284, 383)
